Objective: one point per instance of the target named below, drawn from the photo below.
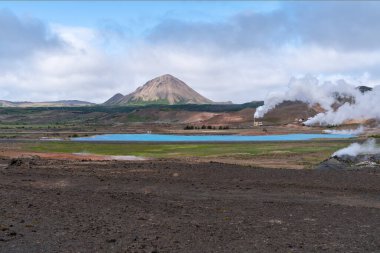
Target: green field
(33, 126)
(308, 153)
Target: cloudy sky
(236, 51)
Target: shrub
(188, 127)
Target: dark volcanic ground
(168, 206)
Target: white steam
(309, 90)
(368, 147)
(356, 131)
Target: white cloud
(232, 61)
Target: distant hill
(287, 111)
(165, 89)
(153, 115)
(115, 99)
(60, 103)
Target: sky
(227, 50)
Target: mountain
(115, 99)
(60, 103)
(165, 89)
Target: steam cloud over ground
(327, 94)
(369, 147)
(356, 131)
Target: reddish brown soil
(167, 206)
(58, 156)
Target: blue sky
(127, 13)
(226, 50)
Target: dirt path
(167, 206)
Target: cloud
(241, 32)
(22, 37)
(340, 25)
(240, 58)
(331, 25)
(54, 62)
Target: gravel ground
(170, 206)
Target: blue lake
(208, 138)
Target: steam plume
(309, 90)
(356, 131)
(368, 147)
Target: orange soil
(60, 156)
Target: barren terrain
(63, 196)
(170, 206)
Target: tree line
(203, 127)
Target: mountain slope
(165, 89)
(60, 103)
(114, 100)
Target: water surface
(208, 138)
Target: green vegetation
(32, 126)
(90, 118)
(126, 109)
(69, 117)
(191, 127)
(144, 103)
(316, 150)
(132, 117)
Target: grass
(32, 126)
(126, 109)
(144, 103)
(308, 152)
(132, 117)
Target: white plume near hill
(340, 101)
(165, 89)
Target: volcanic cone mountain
(165, 89)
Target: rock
(350, 162)
(22, 163)
(12, 233)
(332, 164)
(15, 162)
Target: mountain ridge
(58, 103)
